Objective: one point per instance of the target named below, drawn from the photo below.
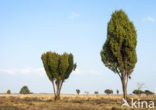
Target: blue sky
(29, 28)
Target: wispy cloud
(87, 72)
(149, 18)
(74, 15)
(41, 71)
(25, 71)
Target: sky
(28, 28)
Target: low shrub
(108, 91)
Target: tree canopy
(119, 50)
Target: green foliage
(117, 91)
(8, 91)
(108, 91)
(119, 50)
(78, 91)
(148, 92)
(25, 90)
(58, 68)
(96, 92)
(138, 92)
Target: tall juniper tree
(119, 49)
(58, 68)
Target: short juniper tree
(117, 91)
(8, 91)
(58, 68)
(78, 91)
(25, 90)
(96, 92)
(108, 91)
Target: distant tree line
(139, 92)
(109, 92)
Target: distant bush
(78, 91)
(96, 92)
(8, 91)
(108, 91)
(117, 91)
(148, 92)
(138, 92)
(25, 90)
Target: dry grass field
(67, 102)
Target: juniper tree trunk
(124, 81)
(53, 87)
(57, 96)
